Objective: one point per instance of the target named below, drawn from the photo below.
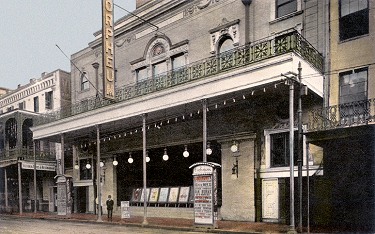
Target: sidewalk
(165, 223)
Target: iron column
(98, 175)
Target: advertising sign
(203, 199)
(205, 193)
(125, 212)
(108, 50)
(270, 197)
(39, 166)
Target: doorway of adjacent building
(82, 206)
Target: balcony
(26, 153)
(237, 58)
(343, 115)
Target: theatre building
(194, 81)
(19, 109)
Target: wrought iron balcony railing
(227, 61)
(342, 115)
(27, 153)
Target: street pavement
(13, 225)
(168, 224)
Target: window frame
(154, 65)
(49, 100)
(175, 57)
(279, 5)
(356, 15)
(268, 135)
(84, 82)
(138, 72)
(350, 73)
(36, 104)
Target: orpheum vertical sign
(108, 50)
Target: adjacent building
(344, 126)
(19, 110)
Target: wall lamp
(165, 156)
(208, 150)
(76, 166)
(102, 163)
(88, 165)
(234, 147)
(115, 162)
(186, 152)
(235, 170)
(130, 159)
(147, 157)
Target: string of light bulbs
(186, 116)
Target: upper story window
(279, 149)
(354, 18)
(353, 85)
(49, 100)
(160, 56)
(159, 68)
(141, 74)
(36, 104)
(285, 7)
(84, 82)
(84, 172)
(226, 45)
(178, 61)
(11, 132)
(21, 105)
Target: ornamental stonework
(199, 6)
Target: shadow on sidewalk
(169, 223)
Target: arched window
(11, 133)
(84, 82)
(27, 134)
(225, 44)
(225, 59)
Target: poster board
(163, 195)
(154, 195)
(183, 197)
(173, 195)
(147, 195)
(136, 195)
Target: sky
(31, 29)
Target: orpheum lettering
(108, 49)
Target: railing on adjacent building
(227, 61)
(27, 153)
(342, 115)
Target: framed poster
(173, 195)
(163, 195)
(183, 197)
(154, 195)
(147, 195)
(136, 196)
(270, 199)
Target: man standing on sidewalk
(109, 204)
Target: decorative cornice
(224, 24)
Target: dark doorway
(81, 199)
